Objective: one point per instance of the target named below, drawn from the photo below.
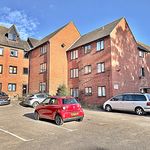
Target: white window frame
(100, 45)
(11, 87)
(74, 92)
(74, 73)
(12, 69)
(43, 49)
(141, 53)
(42, 87)
(74, 54)
(1, 69)
(42, 67)
(13, 53)
(87, 48)
(100, 67)
(88, 90)
(101, 91)
(87, 69)
(1, 51)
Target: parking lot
(99, 131)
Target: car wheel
(139, 111)
(79, 120)
(36, 115)
(108, 108)
(35, 104)
(58, 120)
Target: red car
(60, 109)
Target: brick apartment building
(106, 62)
(48, 59)
(13, 62)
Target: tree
(62, 90)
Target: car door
(127, 103)
(51, 108)
(116, 101)
(42, 109)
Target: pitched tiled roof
(45, 39)
(96, 34)
(143, 47)
(21, 44)
(32, 42)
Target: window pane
(1, 51)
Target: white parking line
(64, 128)
(25, 140)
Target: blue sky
(37, 18)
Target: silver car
(136, 102)
(35, 99)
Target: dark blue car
(4, 99)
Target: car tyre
(58, 120)
(35, 104)
(139, 111)
(108, 108)
(36, 115)
(79, 120)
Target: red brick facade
(122, 66)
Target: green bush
(62, 90)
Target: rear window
(139, 98)
(148, 95)
(69, 101)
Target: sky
(38, 18)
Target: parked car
(4, 99)
(35, 99)
(59, 109)
(136, 102)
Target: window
(128, 97)
(0, 87)
(102, 91)
(42, 87)
(43, 67)
(11, 87)
(100, 67)
(139, 98)
(1, 51)
(74, 92)
(25, 70)
(88, 91)
(53, 101)
(1, 69)
(142, 72)
(43, 50)
(141, 54)
(100, 45)
(13, 53)
(25, 54)
(12, 37)
(87, 49)
(74, 54)
(117, 98)
(74, 73)
(69, 101)
(87, 69)
(12, 69)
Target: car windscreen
(70, 101)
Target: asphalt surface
(99, 131)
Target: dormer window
(12, 37)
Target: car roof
(61, 97)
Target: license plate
(74, 114)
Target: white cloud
(26, 25)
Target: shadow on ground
(31, 116)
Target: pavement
(98, 131)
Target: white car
(137, 102)
(35, 99)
